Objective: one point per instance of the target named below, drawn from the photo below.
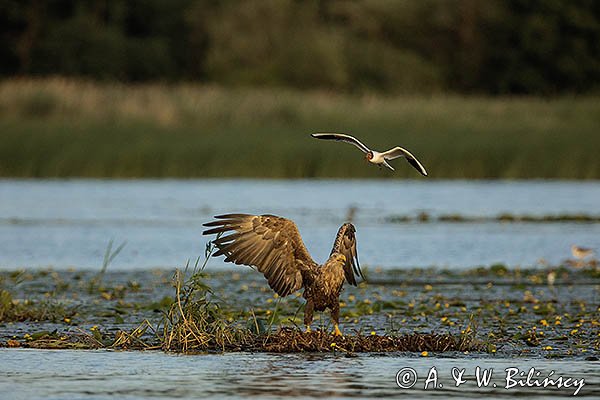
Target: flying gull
(373, 156)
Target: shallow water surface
(46, 374)
(69, 223)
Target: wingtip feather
(232, 216)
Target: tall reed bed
(68, 128)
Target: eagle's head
(339, 257)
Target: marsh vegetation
(506, 311)
(72, 128)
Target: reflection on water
(68, 223)
(46, 374)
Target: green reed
(69, 128)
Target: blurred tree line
(469, 46)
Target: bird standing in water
(373, 156)
(581, 252)
(274, 246)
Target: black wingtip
(232, 216)
(213, 223)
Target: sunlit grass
(64, 128)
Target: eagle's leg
(308, 314)
(335, 316)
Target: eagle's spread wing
(402, 152)
(345, 243)
(272, 244)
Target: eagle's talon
(336, 331)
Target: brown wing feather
(271, 244)
(345, 243)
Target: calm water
(48, 375)
(69, 223)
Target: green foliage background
(424, 46)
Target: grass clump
(194, 322)
(6, 304)
(109, 256)
(15, 310)
(136, 339)
(55, 340)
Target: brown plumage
(274, 246)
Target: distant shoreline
(65, 128)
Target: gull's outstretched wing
(345, 243)
(271, 244)
(340, 137)
(401, 152)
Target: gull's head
(369, 156)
